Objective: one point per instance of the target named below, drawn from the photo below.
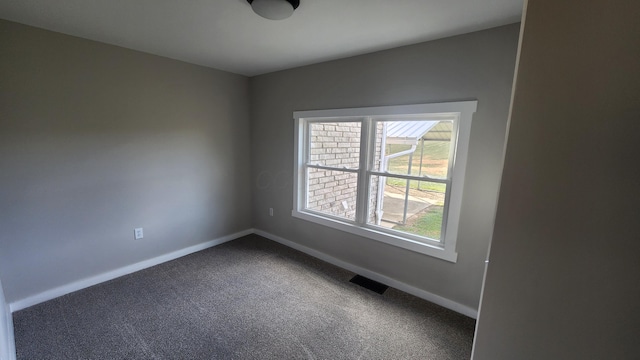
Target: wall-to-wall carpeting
(247, 299)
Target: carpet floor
(250, 298)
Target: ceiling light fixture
(274, 9)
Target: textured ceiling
(227, 35)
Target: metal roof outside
(410, 132)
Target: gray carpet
(247, 299)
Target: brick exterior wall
(331, 191)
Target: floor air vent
(369, 284)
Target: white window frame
(460, 112)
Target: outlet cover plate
(138, 234)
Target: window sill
(370, 233)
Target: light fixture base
(274, 9)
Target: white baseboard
(9, 351)
(7, 331)
(436, 299)
(94, 280)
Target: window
(392, 174)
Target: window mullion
(333, 168)
(362, 199)
(411, 177)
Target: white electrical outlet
(270, 211)
(138, 234)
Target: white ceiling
(227, 35)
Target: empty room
(306, 179)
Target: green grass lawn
(429, 224)
(434, 163)
(433, 151)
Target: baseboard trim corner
(423, 294)
(9, 350)
(110, 275)
(7, 340)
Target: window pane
(414, 147)
(332, 192)
(415, 209)
(335, 144)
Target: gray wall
(563, 280)
(96, 140)
(474, 66)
